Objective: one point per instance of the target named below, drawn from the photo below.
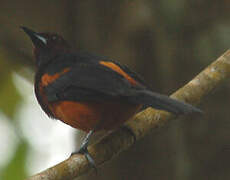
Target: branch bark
(149, 119)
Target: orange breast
(92, 115)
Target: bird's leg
(83, 149)
(85, 142)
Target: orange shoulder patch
(116, 68)
(46, 79)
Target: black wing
(94, 82)
(89, 81)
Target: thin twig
(140, 125)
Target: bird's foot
(83, 150)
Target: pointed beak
(37, 39)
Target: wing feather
(89, 81)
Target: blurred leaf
(16, 169)
(9, 96)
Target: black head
(46, 45)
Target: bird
(90, 92)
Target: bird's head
(46, 45)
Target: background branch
(142, 123)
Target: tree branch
(141, 124)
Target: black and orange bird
(90, 92)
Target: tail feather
(163, 102)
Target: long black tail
(162, 102)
